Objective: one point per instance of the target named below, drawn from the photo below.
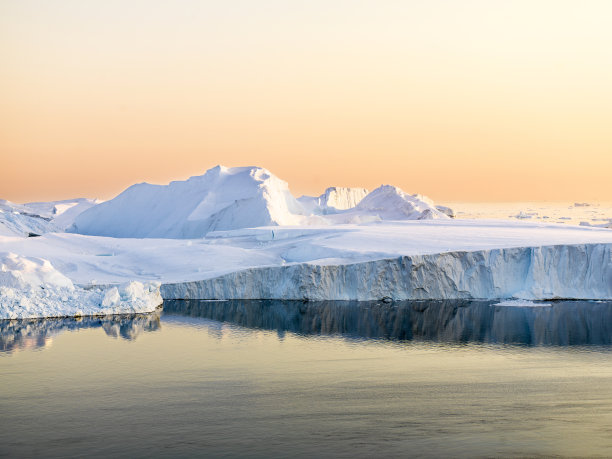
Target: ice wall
(582, 271)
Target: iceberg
(389, 202)
(31, 287)
(333, 199)
(221, 199)
(582, 271)
(241, 197)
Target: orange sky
(459, 100)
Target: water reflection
(564, 323)
(39, 333)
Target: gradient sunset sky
(458, 100)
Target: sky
(478, 100)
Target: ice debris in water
(522, 304)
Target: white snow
(53, 209)
(241, 197)
(18, 220)
(40, 217)
(333, 199)
(390, 203)
(484, 259)
(222, 199)
(31, 287)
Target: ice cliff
(581, 271)
(334, 198)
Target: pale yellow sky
(458, 100)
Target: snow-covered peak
(227, 186)
(389, 202)
(221, 199)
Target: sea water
(289, 379)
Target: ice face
(581, 271)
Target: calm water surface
(279, 379)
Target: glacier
(582, 271)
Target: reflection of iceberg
(37, 333)
(565, 323)
(129, 327)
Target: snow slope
(389, 203)
(18, 220)
(221, 199)
(63, 213)
(31, 287)
(40, 217)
